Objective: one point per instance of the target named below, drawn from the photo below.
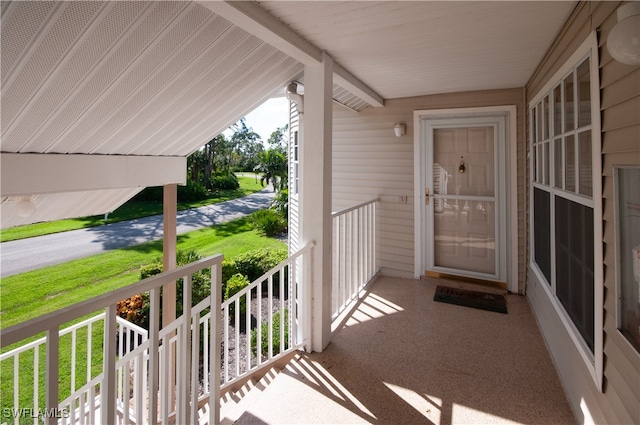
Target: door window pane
(464, 161)
(569, 121)
(585, 167)
(464, 235)
(569, 163)
(584, 94)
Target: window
(295, 163)
(628, 252)
(562, 196)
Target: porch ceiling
(163, 78)
(412, 48)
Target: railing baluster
(73, 361)
(259, 320)
(184, 366)
(270, 317)
(237, 336)
(51, 374)
(247, 321)
(206, 337)
(108, 389)
(195, 366)
(214, 362)
(36, 380)
(154, 360)
(282, 308)
(16, 384)
(226, 344)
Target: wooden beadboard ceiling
(402, 49)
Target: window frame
(587, 50)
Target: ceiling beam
(350, 82)
(256, 21)
(252, 18)
(23, 174)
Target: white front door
(464, 208)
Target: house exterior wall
(369, 162)
(619, 400)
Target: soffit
(402, 49)
(128, 78)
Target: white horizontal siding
(369, 162)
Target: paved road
(33, 253)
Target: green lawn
(34, 293)
(128, 211)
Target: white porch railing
(354, 253)
(163, 375)
(115, 396)
(80, 335)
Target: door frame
(510, 263)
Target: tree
(246, 145)
(278, 139)
(273, 167)
(196, 165)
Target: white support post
(170, 211)
(169, 298)
(315, 195)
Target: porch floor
(402, 358)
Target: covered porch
(400, 357)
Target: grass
(128, 211)
(37, 292)
(32, 294)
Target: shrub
(254, 264)
(281, 203)
(264, 332)
(149, 194)
(269, 222)
(193, 191)
(225, 182)
(235, 284)
(136, 309)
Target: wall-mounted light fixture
(462, 168)
(623, 42)
(291, 93)
(399, 129)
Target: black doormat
(474, 299)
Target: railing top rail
(57, 318)
(353, 208)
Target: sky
(266, 119)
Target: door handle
(426, 196)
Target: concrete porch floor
(402, 358)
